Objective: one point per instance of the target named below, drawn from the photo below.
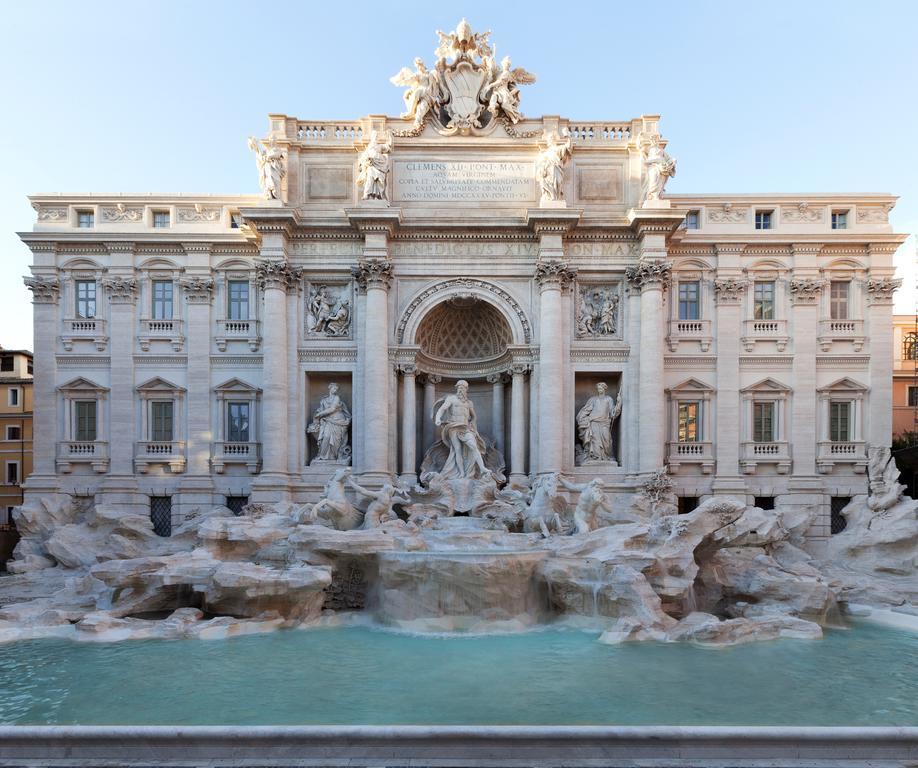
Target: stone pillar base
(408, 478)
(519, 479)
(729, 486)
(270, 488)
(195, 492)
(374, 479)
(123, 492)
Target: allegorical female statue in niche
(329, 428)
(594, 426)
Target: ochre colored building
(15, 427)
(905, 374)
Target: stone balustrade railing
(229, 452)
(84, 329)
(94, 452)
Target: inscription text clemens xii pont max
(444, 181)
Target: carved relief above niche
(329, 309)
(598, 310)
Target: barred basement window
(765, 502)
(235, 503)
(687, 504)
(837, 521)
(161, 515)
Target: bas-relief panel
(598, 311)
(329, 309)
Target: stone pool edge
(469, 746)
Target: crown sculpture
(466, 91)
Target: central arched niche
(464, 329)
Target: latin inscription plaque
(458, 182)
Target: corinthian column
(409, 424)
(496, 380)
(46, 322)
(880, 290)
(651, 277)
(275, 278)
(373, 278)
(430, 396)
(554, 277)
(518, 432)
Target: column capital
(278, 275)
(45, 290)
(519, 369)
(406, 369)
(198, 290)
(121, 290)
(554, 275)
(650, 274)
(880, 290)
(729, 290)
(373, 273)
(431, 378)
(806, 290)
(496, 378)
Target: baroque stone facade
(184, 345)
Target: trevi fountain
(554, 574)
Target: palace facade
(184, 344)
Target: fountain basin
(456, 591)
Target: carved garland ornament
(198, 213)
(122, 213)
(805, 290)
(650, 273)
(729, 289)
(727, 214)
(880, 291)
(455, 286)
(198, 290)
(45, 290)
(121, 290)
(51, 214)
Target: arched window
(910, 346)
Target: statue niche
(465, 338)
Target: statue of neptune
(457, 421)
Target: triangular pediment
(81, 384)
(691, 385)
(158, 384)
(236, 385)
(767, 385)
(844, 385)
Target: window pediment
(768, 385)
(691, 386)
(81, 386)
(159, 385)
(843, 385)
(237, 386)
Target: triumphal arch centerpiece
(454, 307)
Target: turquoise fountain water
(365, 675)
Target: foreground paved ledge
(467, 746)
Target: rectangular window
(693, 220)
(12, 396)
(160, 219)
(235, 219)
(238, 308)
(161, 421)
(689, 308)
(840, 421)
(838, 299)
(839, 219)
(687, 504)
(689, 424)
(85, 219)
(86, 298)
(6, 363)
(29, 368)
(162, 299)
(12, 472)
(237, 427)
(764, 300)
(763, 219)
(765, 502)
(85, 426)
(236, 504)
(913, 396)
(161, 515)
(13, 432)
(763, 422)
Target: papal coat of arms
(466, 91)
